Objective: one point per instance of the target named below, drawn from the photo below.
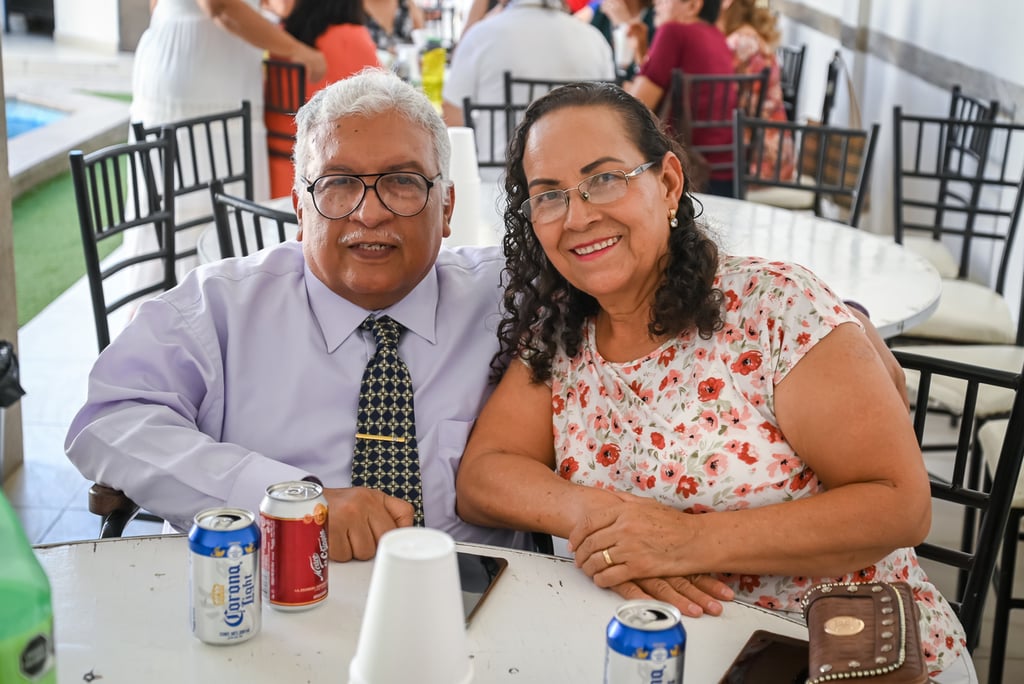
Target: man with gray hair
(263, 369)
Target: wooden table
(121, 607)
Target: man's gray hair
(370, 92)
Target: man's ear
(449, 208)
(297, 206)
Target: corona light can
(224, 576)
(646, 643)
(293, 517)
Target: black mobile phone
(477, 574)
(769, 658)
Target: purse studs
(881, 660)
(852, 588)
(877, 588)
(887, 622)
(825, 668)
(886, 635)
(853, 664)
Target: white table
(121, 606)
(898, 287)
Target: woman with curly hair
(681, 414)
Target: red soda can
(293, 517)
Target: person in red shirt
(687, 39)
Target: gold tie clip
(379, 438)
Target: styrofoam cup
(414, 628)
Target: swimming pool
(24, 116)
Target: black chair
(960, 149)
(206, 152)
(124, 189)
(963, 182)
(492, 126)
(835, 162)
(973, 559)
(521, 91)
(791, 69)
(991, 437)
(284, 91)
(243, 226)
(705, 102)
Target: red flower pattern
(691, 424)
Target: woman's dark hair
(542, 309)
(710, 10)
(310, 18)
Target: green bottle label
(29, 657)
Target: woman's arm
(243, 21)
(419, 20)
(645, 90)
(506, 477)
(839, 410)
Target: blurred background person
(392, 21)
(752, 36)
(618, 21)
(200, 57)
(531, 39)
(336, 28)
(687, 39)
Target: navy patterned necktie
(385, 456)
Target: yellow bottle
(432, 74)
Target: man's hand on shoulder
(357, 517)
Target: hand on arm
(238, 18)
(507, 479)
(357, 517)
(839, 411)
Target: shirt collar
(338, 317)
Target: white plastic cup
(414, 628)
(464, 165)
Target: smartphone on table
(477, 575)
(769, 658)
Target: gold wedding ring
(607, 557)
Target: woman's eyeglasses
(601, 188)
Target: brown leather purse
(864, 631)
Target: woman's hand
(635, 539)
(694, 595)
(313, 60)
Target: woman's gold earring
(673, 222)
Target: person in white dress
(200, 57)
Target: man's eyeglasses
(403, 193)
(601, 188)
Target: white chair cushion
(990, 436)
(785, 198)
(968, 312)
(935, 252)
(948, 394)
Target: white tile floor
(57, 348)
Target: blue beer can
(224, 576)
(646, 643)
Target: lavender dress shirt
(248, 373)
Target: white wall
(91, 24)
(982, 38)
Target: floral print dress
(692, 425)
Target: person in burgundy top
(686, 39)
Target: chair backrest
(832, 161)
(791, 69)
(284, 91)
(492, 126)
(120, 190)
(959, 191)
(521, 91)
(698, 109)
(831, 83)
(213, 147)
(243, 226)
(989, 501)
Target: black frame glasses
(317, 187)
(585, 188)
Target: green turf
(47, 245)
